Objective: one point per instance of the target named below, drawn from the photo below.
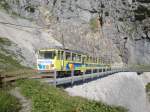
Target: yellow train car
(64, 60)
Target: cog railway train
(64, 61)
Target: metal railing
(73, 78)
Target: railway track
(6, 77)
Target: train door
(83, 60)
(62, 60)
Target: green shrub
(46, 98)
(148, 87)
(94, 24)
(4, 5)
(4, 41)
(8, 63)
(8, 103)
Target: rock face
(27, 40)
(122, 89)
(112, 28)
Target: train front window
(46, 55)
(68, 56)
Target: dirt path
(26, 104)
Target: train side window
(73, 56)
(91, 61)
(78, 58)
(83, 60)
(94, 60)
(88, 59)
(59, 55)
(62, 55)
(99, 60)
(68, 56)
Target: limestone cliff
(112, 29)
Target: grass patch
(5, 41)
(47, 98)
(7, 63)
(8, 103)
